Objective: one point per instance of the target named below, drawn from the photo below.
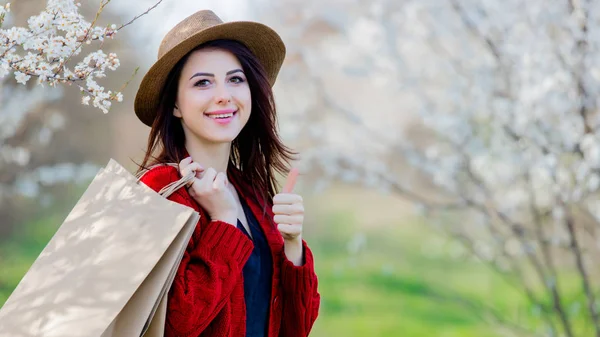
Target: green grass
(389, 288)
(395, 287)
(392, 286)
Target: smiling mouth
(221, 116)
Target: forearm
(294, 251)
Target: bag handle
(169, 189)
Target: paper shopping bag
(107, 270)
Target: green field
(401, 280)
(391, 288)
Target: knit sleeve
(211, 266)
(301, 299)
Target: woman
(208, 99)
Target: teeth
(222, 115)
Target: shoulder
(160, 176)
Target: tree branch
(576, 250)
(138, 16)
(515, 228)
(553, 284)
(520, 285)
(472, 28)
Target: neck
(210, 155)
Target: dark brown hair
(257, 152)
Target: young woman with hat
(209, 103)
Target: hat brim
(262, 41)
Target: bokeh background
(448, 152)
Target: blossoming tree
(38, 62)
(485, 113)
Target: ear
(176, 112)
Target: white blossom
(43, 55)
(44, 49)
(21, 77)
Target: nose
(222, 95)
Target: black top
(257, 272)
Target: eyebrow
(213, 75)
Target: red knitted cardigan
(207, 295)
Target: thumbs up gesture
(288, 209)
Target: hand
(288, 209)
(289, 215)
(209, 189)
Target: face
(213, 98)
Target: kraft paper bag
(107, 270)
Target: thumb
(291, 180)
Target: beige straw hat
(198, 28)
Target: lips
(220, 112)
(221, 116)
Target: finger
(185, 162)
(193, 167)
(194, 186)
(206, 182)
(289, 219)
(288, 209)
(220, 181)
(291, 181)
(192, 189)
(290, 230)
(286, 198)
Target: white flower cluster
(522, 116)
(43, 51)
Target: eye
(202, 83)
(237, 79)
